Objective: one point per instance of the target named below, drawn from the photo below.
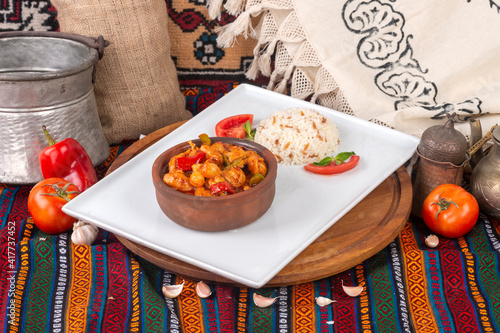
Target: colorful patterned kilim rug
(47, 284)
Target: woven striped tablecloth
(47, 284)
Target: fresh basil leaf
(342, 157)
(324, 161)
(248, 128)
(339, 159)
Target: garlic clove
(172, 291)
(84, 233)
(330, 322)
(203, 290)
(263, 301)
(432, 241)
(323, 301)
(353, 291)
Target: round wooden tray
(366, 229)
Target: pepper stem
(50, 140)
(444, 204)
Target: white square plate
(304, 207)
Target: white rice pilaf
(298, 136)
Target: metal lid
(443, 143)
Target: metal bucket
(46, 78)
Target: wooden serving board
(369, 227)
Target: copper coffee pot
(442, 156)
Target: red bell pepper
(222, 187)
(67, 159)
(186, 162)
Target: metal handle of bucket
(98, 43)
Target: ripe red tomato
(450, 211)
(233, 126)
(45, 203)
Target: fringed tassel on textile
(281, 87)
(265, 58)
(234, 7)
(253, 70)
(274, 78)
(314, 97)
(241, 26)
(262, 61)
(291, 70)
(283, 77)
(214, 8)
(265, 64)
(283, 69)
(226, 38)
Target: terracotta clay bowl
(215, 213)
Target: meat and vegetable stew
(215, 169)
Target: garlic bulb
(84, 233)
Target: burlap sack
(136, 86)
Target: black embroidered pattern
(384, 47)
(19, 15)
(493, 4)
(206, 49)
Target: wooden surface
(366, 229)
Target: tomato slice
(233, 126)
(333, 168)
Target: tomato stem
(60, 192)
(444, 204)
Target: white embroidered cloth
(403, 64)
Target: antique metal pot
(431, 174)
(46, 78)
(442, 156)
(485, 180)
